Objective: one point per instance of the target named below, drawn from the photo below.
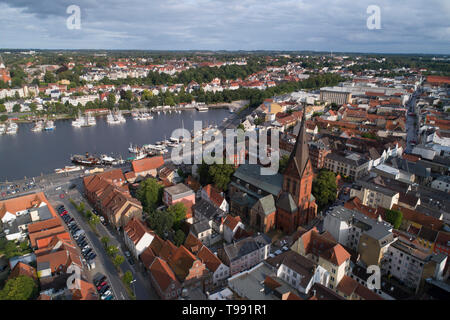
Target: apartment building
(369, 237)
(336, 95)
(353, 165)
(411, 264)
(245, 253)
(373, 195)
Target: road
(142, 286)
(103, 263)
(412, 122)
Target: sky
(406, 26)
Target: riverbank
(30, 118)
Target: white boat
(202, 107)
(2, 128)
(140, 155)
(105, 159)
(120, 117)
(38, 126)
(91, 120)
(12, 128)
(133, 149)
(69, 169)
(49, 125)
(78, 122)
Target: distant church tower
(296, 205)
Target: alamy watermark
(374, 20)
(208, 147)
(74, 280)
(374, 281)
(73, 22)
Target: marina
(35, 153)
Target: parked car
(131, 261)
(127, 254)
(101, 285)
(278, 252)
(100, 279)
(104, 289)
(92, 256)
(110, 297)
(106, 294)
(83, 243)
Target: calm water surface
(29, 154)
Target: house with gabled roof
(220, 271)
(323, 250)
(164, 280)
(211, 194)
(137, 236)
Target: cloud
(407, 25)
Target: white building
(137, 237)
(442, 184)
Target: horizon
(303, 51)
(400, 27)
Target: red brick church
(282, 201)
(296, 205)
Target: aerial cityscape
(246, 161)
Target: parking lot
(103, 264)
(7, 190)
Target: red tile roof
(214, 195)
(23, 269)
(162, 273)
(231, 222)
(44, 225)
(136, 229)
(147, 164)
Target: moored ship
(86, 160)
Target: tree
(112, 251)
(283, 163)
(394, 217)
(105, 241)
(241, 126)
(150, 194)
(3, 117)
(2, 108)
(178, 213)
(19, 288)
(118, 260)
(179, 237)
(111, 101)
(218, 174)
(324, 188)
(16, 108)
(49, 77)
(160, 222)
(94, 220)
(128, 277)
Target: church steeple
(300, 153)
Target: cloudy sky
(407, 26)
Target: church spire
(300, 153)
